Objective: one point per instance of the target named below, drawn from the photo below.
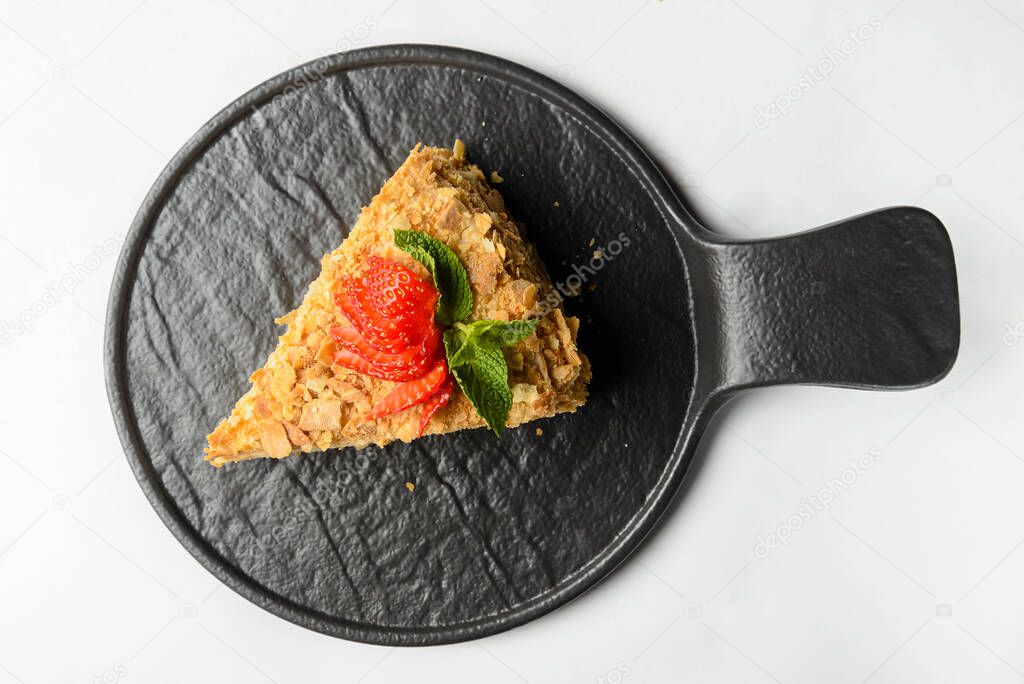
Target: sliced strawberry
(353, 361)
(393, 336)
(383, 334)
(411, 393)
(390, 333)
(395, 291)
(418, 356)
(390, 305)
(435, 402)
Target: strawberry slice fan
(393, 336)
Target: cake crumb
(410, 486)
(539, 432)
(591, 243)
(557, 204)
(496, 178)
(598, 254)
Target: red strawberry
(435, 402)
(415, 358)
(411, 393)
(396, 292)
(393, 336)
(353, 361)
(384, 334)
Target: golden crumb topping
(301, 401)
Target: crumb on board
(598, 254)
(410, 486)
(539, 431)
(592, 287)
(496, 178)
(557, 204)
(591, 243)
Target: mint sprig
(450, 277)
(478, 364)
(473, 349)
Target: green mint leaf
(475, 359)
(506, 333)
(454, 341)
(496, 334)
(482, 373)
(450, 277)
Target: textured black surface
(869, 302)
(496, 532)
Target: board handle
(868, 302)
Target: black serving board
(495, 532)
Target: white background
(94, 99)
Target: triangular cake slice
(302, 401)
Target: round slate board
(495, 532)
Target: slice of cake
(386, 346)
